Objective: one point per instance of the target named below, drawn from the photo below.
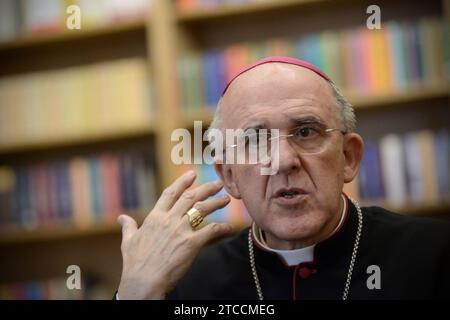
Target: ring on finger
(195, 217)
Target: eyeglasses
(308, 138)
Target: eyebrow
(303, 120)
(294, 121)
(256, 127)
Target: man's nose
(289, 158)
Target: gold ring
(195, 217)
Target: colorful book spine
(81, 191)
(399, 56)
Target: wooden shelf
(234, 10)
(71, 35)
(16, 235)
(77, 140)
(57, 233)
(418, 94)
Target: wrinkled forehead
(276, 88)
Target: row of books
(109, 97)
(408, 169)
(53, 289)
(400, 56)
(235, 212)
(80, 191)
(35, 17)
(189, 5)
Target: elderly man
(308, 240)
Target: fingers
(171, 194)
(208, 206)
(213, 231)
(129, 226)
(190, 197)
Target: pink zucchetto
(279, 59)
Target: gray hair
(346, 112)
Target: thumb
(129, 226)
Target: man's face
(278, 96)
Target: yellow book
(106, 101)
(11, 104)
(33, 116)
(429, 174)
(81, 192)
(90, 101)
(72, 91)
(4, 139)
(382, 67)
(378, 62)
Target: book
(42, 16)
(393, 169)
(76, 102)
(9, 20)
(441, 147)
(399, 56)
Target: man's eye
(306, 132)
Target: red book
(110, 186)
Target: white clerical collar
(296, 256)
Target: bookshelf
(26, 42)
(233, 10)
(161, 39)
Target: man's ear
(226, 174)
(353, 152)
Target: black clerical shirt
(399, 257)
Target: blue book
(441, 141)
(95, 187)
(26, 213)
(213, 76)
(219, 77)
(128, 183)
(411, 53)
(309, 49)
(396, 44)
(370, 176)
(418, 50)
(207, 173)
(33, 291)
(63, 190)
(208, 77)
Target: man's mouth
(289, 193)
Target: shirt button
(304, 272)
